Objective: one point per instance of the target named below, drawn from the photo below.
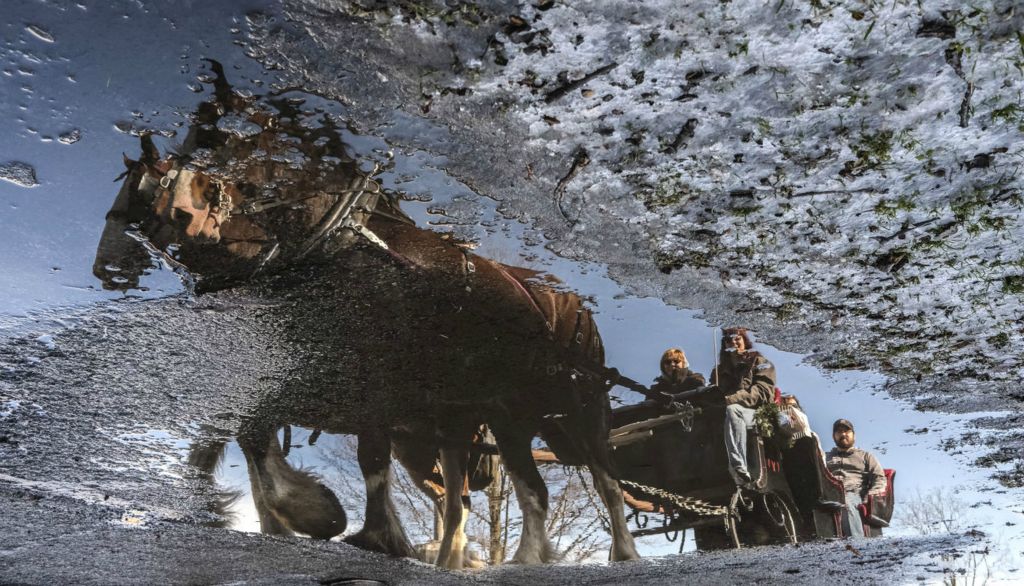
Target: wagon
(674, 472)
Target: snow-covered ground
(846, 166)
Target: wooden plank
(647, 424)
(630, 438)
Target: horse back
(570, 323)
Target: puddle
(634, 332)
(937, 488)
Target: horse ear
(128, 163)
(150, 154)
(221, 87)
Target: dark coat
(692, 380)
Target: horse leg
(419, 456)
(289, 500)
(531, 492)
(255, 446)
(382, 530)
(592, 428)
(454, 468)
(206, 455)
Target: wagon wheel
(780, 515)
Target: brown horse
(402, 325)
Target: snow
(824, 172)
(21, 174)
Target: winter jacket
(692, 380)
(749, 382)
(859, 470)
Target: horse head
(248, 186)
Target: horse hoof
(621, 556)
(381, 543)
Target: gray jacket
(859, 470)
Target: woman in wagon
(746, 380)
(676, 376)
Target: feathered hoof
(624, 555)
(542, 554)
(382, 542)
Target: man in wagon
(859, 471)
(746, 380)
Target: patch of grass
(872, 150)
(965, 209)
(877, 146)
(889, 208)
(744, 211)
(845, 360)
(668, 262)
(893, 260)
(1013, 284)
(787, 311)
(928, 244)
(970, 212)
(741, 49)
(1010, 114)
(999, 340)
(1012, 478)
(746, 251)
(671, 190)
(903, 348)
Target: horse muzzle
(184, 208)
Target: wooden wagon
(673, 468)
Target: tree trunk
(495, 495)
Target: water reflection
(412, 340)
(400, 339)
(492, 528)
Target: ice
(46, 341)
(8, 408)
(39, 33)
(816, 162)
(70, 137)
(239, 126)
(19, 173)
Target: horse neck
(419, 247)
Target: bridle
(360, 196)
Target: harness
(360, 195)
